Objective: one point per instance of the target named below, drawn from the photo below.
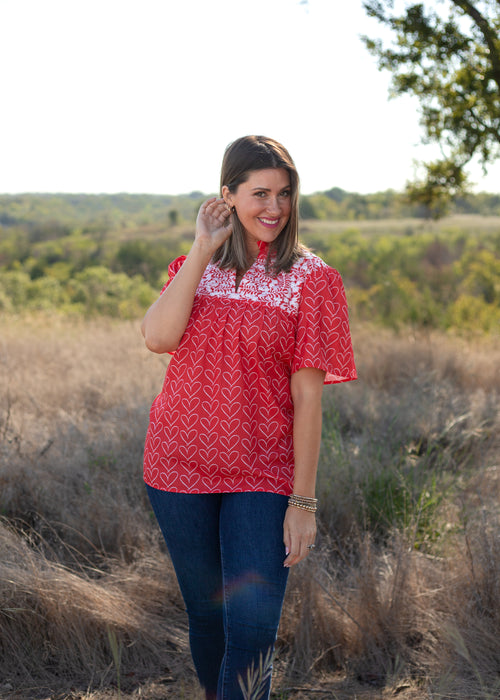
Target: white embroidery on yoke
(283, 291)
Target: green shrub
(101, 291)
(473, 314)
(14, 285)
(46, 293)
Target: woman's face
(263, 205)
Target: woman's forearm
(166, 320)
(299, 527)
(307, 389)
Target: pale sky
(144, 95)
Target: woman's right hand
(213, 225)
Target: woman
(257, 325)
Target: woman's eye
(261, 195)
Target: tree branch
(489, 35)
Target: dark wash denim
(228, 552)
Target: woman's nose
(273, 205)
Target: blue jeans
(228, 552)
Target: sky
(143, 96)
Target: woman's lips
(269, 223)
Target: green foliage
(392, 499)
(46, 293)
(93, 291)
(102, 292)
(444, 179)
(397, 486)
(173, 217)
(306, 208)
(447, 278)
(429, 200)
(338, 205)
(472, 314)
(398, 273)
(449, 58)
(147, 258)
(91, 213)
(14, 287)
(480, 272)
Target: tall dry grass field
(402, 595)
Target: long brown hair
(241, 157)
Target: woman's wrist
(303, 502)
(202, 251)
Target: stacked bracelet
(304, 502)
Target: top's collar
(263, 248)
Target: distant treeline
(109, 255)
(338, 205)
(105, 211)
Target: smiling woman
(257, 325)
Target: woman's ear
(227, 196)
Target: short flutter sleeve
(323, 338)
(173, 269)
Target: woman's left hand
(299, 531)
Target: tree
(448, 55)
(173, 217)
(306, 208)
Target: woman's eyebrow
(268, 189)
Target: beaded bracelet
(303, 502)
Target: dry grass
(402, 596)
(55, 620)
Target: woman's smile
(270, 223)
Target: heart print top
(223, 421)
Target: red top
(223, 421)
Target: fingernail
(287, 551)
